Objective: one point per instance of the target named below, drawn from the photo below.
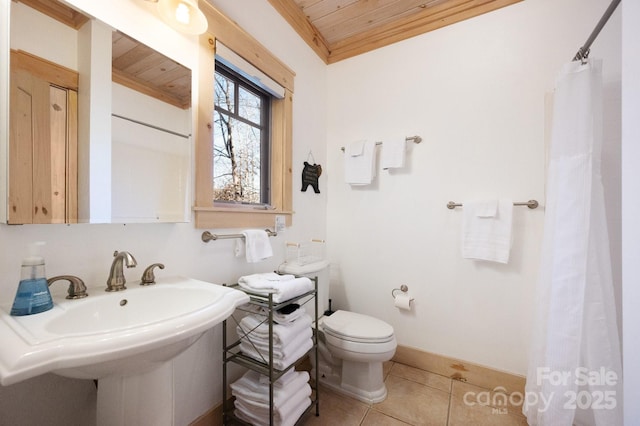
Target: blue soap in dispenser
(33, 294)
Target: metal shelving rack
(231, 353)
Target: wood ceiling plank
(297, 19)
(323, 8)
(412, 26)
(357, 21)
(58, 11)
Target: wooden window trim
(206, 214)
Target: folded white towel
(278, 363)
(488, 208)
(281, 290)
(360, 169)
(355, 149)
(264, 280)
(393, 153)
(256, 244)
(280, 350)
(282, 334)
(487, 237)
(289, 420)
(249, 387)
(283, 381)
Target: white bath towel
(283, 381)
(278, 363)
(282, 334)
(290, 419)
(281, 290)
(360, 169)
(393, 153)
(264, 280)
(487, 237)
(249, 387)
(256, 245)
(279, 350)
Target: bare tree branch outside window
(237, 139)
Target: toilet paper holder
(403, 288)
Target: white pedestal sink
(126, 340)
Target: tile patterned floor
(417, 397)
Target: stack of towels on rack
(292, 336)
(283, 287)
(290, 397)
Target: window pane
(236, 156)
(224, 93)
(249, 105)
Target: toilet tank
(311, 270)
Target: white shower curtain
(575, 373)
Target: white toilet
(351, 346)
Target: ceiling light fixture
(183, 15)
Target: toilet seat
(357, 328)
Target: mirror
(100, 124)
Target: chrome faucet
(116, 279)
(76, 290)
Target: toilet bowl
(352, 348)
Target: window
(223, 40)
(240, 139)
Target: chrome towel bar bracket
(532, 204)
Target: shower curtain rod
(583, 52)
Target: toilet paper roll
(403, 301)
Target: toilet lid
(352, 326)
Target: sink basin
(112, 334)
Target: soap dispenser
(33, 294)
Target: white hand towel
(355, 149)
(281, 290)
(257, 245)
(393, 153)
(487, 237)
(360, 169)
(488, 208)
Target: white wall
(86, 250)
(475, 93)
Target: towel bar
(532, 204)
(414, 139)
(208, 236)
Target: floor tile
(421, 376)
(475, 395)
(462, 414)
(414, 403)
(337, 409)
(386, 368)
(375, 418)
